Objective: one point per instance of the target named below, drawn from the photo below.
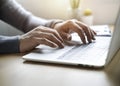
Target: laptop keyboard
(92, 51)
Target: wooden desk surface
(15, 72)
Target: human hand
(40, 35)
(67, 27)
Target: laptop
(96, 54)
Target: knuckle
(31, 37)
(54, 31)
(51, 35)
(69, 21)
(34, 40)
(37, 29)
(86, 27)
(43, 39)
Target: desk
(15, 72)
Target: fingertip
(90, 41)
(58, 45)
(62, 46)
(84, 41)
(94, 38)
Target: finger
(66, 36)
(50, 37)
(87, 31)
(71, 43)
(80, 32)
(55, 33)
(92, 34)
(45, 42)
(54, 39)
(48, 30)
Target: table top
(14, 71)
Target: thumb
(69, 37)
(66, 36)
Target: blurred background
(103, 11)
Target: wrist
(52, 23)
(56, 22)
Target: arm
(14, 14)
(9, 44)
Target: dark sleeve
(9, 44)
(14, 14)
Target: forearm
(9, 44)
(14, 14)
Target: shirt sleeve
(9, 44)
(14, 14)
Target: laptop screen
(115, 41)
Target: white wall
(104, 11)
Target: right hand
(67, 27)
(40, 35)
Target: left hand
(40, 35)
(67, 27)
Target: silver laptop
(96, 54)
